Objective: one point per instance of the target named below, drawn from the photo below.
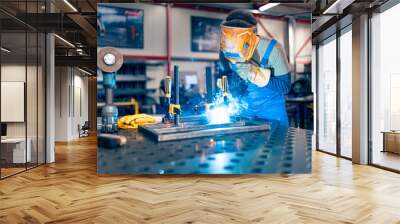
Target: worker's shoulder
(266, 41)
(262, 48)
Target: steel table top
(277, 151)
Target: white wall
(303, 33)
(181, 32)
(71, 87)
(33, 127)
(155, 31)
(61, 103)
(277, 28)
(80, 111)
(16, 73)
(155, 43)
(12, 73)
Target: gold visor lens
(237, 40)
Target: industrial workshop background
(165, 98)
(166, 36)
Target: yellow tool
(132, 102)
(174, 108)
(133, 121)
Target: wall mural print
(119, 27)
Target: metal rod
(176, 85)
(369, 86)
(209, 85)
(109, 96)
(338, 91)
(25, 91)
(0, 97)
(317, 79)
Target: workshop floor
(70, 191)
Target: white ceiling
(298, 10)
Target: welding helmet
(237, 43)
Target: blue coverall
(268, 103)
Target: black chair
(84, 130)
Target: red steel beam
(264, 28)
(303, 46)
(145, 57)
(165, 58)
(168, 13)
(202, 8)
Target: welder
(261, 65)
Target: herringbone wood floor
(70, 191)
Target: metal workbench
(279, 150)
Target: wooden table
(391, 141)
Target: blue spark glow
(221, 113)
(218, 115)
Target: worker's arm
(246, 71)
(280, 81)
(253, 73)
(224, 68)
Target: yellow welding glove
(253, 73)
(133, 121)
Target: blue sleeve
(280, 83)
(223, 64)
(234, 80)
